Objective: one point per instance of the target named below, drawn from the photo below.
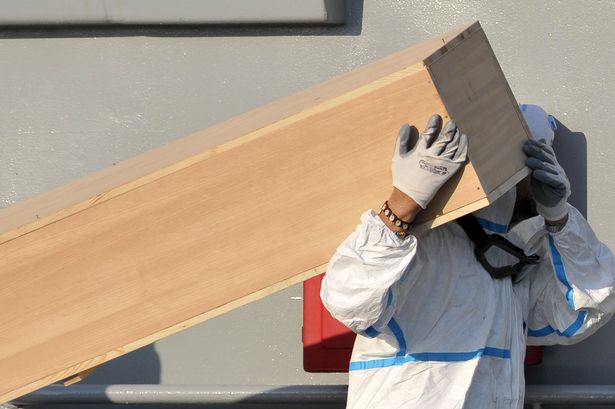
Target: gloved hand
(421, 170)
(549, 184)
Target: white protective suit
(436, 331)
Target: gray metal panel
(270, 395)
(29, 12)
(188, 394)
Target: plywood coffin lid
(147, 248)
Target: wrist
(555, 226)
(403, 207)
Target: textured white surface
(70, 106)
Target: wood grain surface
(106, 184)
(238, 222)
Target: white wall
(73, 101)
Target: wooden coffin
(183, 233)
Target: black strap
(482, 243)
(473, 229)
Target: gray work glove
(549, 184)
(421, 170)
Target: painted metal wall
(73, 101)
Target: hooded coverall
(436, 331)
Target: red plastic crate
(327, 343)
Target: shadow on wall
(138, 367)
(571, 150)
(352, 27)
(563, 364)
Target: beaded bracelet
(395, 220)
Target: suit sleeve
(572, 292)
(359, 288)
